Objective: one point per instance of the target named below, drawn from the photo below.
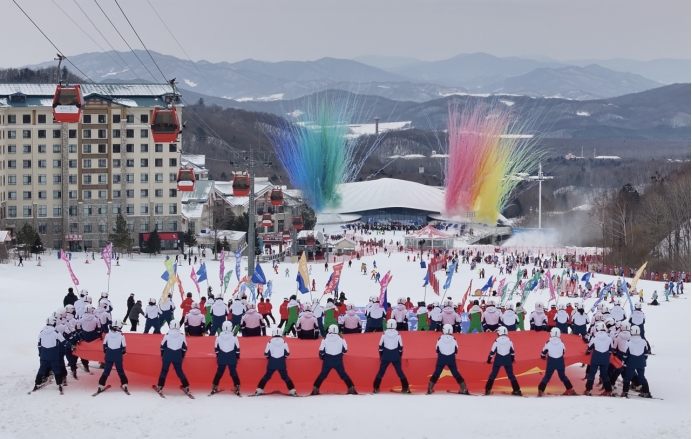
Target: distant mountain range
(396, 78)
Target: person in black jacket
(130, 304)
(70, 298)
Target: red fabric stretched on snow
(361, 361)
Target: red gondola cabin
(186, 180)
(267, 220)
(297, 222)
(164, 125)
(276, 197)
(311, 240)
(67, 104)
(241, 185)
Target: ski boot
(569, 392)
(214, 389)
(351, 391)
(645, 395)
(540, 393)
(430, 387)
(606, 393)
(462, 388)
(315, 391)
(293, 392)
(259, 391)
(236, 389)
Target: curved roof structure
(389, 193)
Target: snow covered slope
(29, 294)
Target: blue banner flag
(586, 277)
(426, 279)
(268, 291)
(488, 285)
(238, 255)
(258, 276)
(301, 284)
(448, 282)
(202, 273)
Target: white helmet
(391, 324)
(637, 305)
(350, 306)
(625, 326)
(635, 331)
(60, 312)
(400, 301)
(610, 321)
(562, 306)
(153, 300)
(276, 332)
(373, 299)
(333, 329)
(539, 306)
(555, 332)
(174, 324)
(605, 309)
(509, 306)
(89, 309)
(227, 326)
(104, 295)
(307, 307)
(449, 303)
(598, 316)
(601, 327)
(249, 305)
(447, 329)
(50, 321)
(580, 305)
(87, 299)
(436, 304)
(194, 305)
(491, 303)
(69, 309)
(501, 331)
(599, 306)
(83, 293)
(117, 324)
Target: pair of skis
(100, 391)
(160, 392)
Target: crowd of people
(618, 343)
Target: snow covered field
(29, 294)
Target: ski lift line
(85, 33)
(140, 40)
(181, 48)
(124, 40)
(51, 42)
(106, 40)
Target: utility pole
(540, 178)
(251, 159)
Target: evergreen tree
(26, 237)
(309, 218)
(154, 243)
(38, 245)
(121, 236)
(189, 239)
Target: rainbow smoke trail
(315, 151)
(486, 153)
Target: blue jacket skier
(601, 345)
(447, 349)
(332, 350)
(276, 352)
(503, 350)
(114, 349)
(227, 348)
(173, 349)
(49, 341)
(391, 349)
(635, 361)
(554, 351)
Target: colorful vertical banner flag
(238, 257)
(466, 295)
(303, 269)
(268, 293)
(193, 276)
(384, 282)
(226, 281)
(549, 279)
(240, 283)
(222, 266)
(258, 276)
(180, 288)
(488, 285)
(202, 273)
(636, 277)
(334, 278)
(426, 279)
(107, 255)
(63, 256)
(448, 282)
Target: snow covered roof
(200, 193)
(192, 210)
(115, 90)
(429, 232)
(198, 160)
(5, 236)
(335, 218)
(388, 193)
